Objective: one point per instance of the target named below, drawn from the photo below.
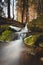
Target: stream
(15, 53)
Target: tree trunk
(23, 13)
(27, 13)
(8, 8)
(23, 10)
(13, 9)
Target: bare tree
(23, 10)
(8, 8)
(27, 13)
(13, 9)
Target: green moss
(34, 39)
(6, 35)
(31, 39)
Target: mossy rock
(36, 40)
(31, 39)
(6, 35)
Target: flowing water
(15, 53)
(11, 52)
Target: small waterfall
(22, 33)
